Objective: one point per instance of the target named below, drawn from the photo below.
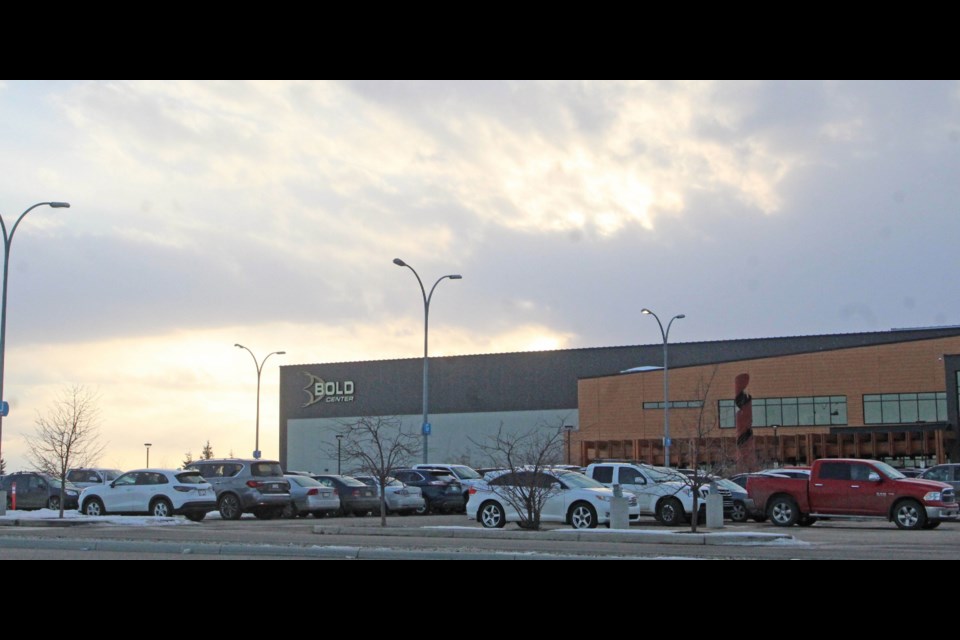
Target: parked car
(310, 496)
(156, 492)
(949, 473)
(663, 493)
(573, 498)
(245, 486)
(440, 489)
(399, 497)
(37, 490)
(466, 476)
(84, 478)
(742, 506)
(355, 497)
(839, 488)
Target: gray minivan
(246, 486)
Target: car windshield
(190, 477)
(730, 485)
(266, 470)
(576, 480)
(351, 482)
(464, 472)
(304, 481)
(112, 474)
(888, 471)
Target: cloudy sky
(268, 213)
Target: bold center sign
(320, 390)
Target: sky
(205, 214)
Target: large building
(887, 395)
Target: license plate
(202, 492)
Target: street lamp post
(776, 446)
(256, 448)
(426, 361)
(666, 383)
(147, 445)
(339, 438)
(7, 241)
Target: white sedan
(566, 496)
(156, 492)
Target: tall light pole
(426, 360)
(259, 366)
(7, 241)
(147, 445)
(339, 438)
(666, 383)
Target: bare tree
(187, 459)
(207, 452)
(377, 446)
(524, 455)
(68, 436)
(708, 452)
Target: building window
(675, 404)
(808, 411)
(904, 408)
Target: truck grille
(949, 495)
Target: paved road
(251, 538)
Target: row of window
(675, 404)
(881, 408)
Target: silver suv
(246, 486)
(84, 478)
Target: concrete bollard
(714, 511)
(3, 503)
(619, 510)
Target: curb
(277, 551)
(593, 535)
(39, 522)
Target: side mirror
(873, 477)
(113, 485)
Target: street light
(339, 438)
(7, 241)
(256, 448)
(776, 446)
(426, 362)
(147, 445)
(666, 383)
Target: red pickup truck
(840, 488)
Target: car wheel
(583, 516)
(739, 512)
(909, 514)
(289, 511)
(783, 511)
(670, 512)
(54, 503)
(492, 516)
(196, 516)
(161, 508)
(424, 510)
(93, 507)
(230, 508)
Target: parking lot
(360, 538)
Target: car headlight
(71, 493)
(933, 496)
(603, 498)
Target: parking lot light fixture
(425, 428)
(665, 334)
